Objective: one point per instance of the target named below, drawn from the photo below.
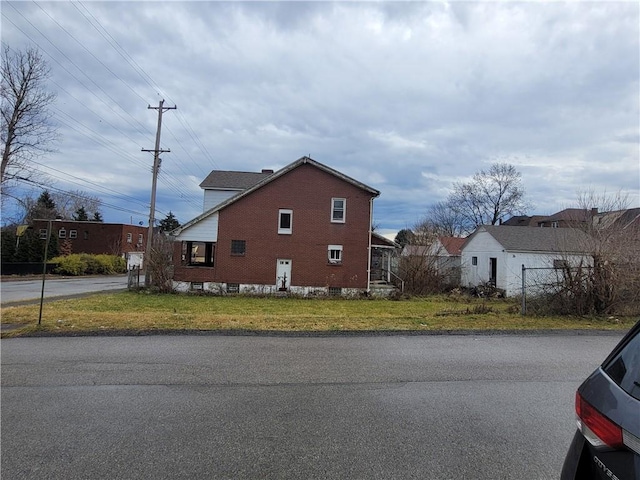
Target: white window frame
(335, 209)
(129, 237)
(282, 230)
(43, 234)
(140, 239)
(73, 233)
(334, 254)
(62, 233)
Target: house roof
(524, 220)
(378, 240)
(517, 239)
(230, 180)
(270, 178)
(570, 215)
(452, 245)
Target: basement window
(233, 288)
(335, 291)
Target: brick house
(96, 237)
(305, 228)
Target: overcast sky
(407, 97)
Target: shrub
(70, 265)
(86, 264)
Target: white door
(283, 274)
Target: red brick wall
(109, 238)
(308, 192)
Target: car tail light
(597, 428)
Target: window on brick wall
(140, 238)
(338, 210)
(73, 233)
(198, 253)
(285, 221)
(129, 237)
(335, 254)
(238, 247)
(43, 233)
(62, 233)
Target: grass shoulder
(137, 312)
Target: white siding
(483, 246)
(203, 231)
(215, 197)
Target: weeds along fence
(578, 290)
(548, 290)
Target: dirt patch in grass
(144, 312)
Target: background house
(496, 255)
(443, 257)
(97, 238)
(305, 227)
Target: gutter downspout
(369, 249)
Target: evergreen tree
(81, 215)
(97, 217)
(44, 208)
(168, 223)
(8, 248)
(404, 237)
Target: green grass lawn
(140, 311)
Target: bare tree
(424, 265)
(26, 130)
(488, 197)
(607, 281)
(445, 220)
(159, 264)
(70, 202)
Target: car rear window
(624, 368)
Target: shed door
(283, 274)
(493, 268)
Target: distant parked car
(607, 443)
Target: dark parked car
(607, 443)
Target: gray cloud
(405, 96)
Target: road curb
(348, 333)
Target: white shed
(496, 254)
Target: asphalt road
(27, 291)
(382, 407)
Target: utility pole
(156, 168)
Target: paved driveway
(217, 407)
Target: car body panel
(585, 461)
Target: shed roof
(518, 239)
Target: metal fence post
(523, 309)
